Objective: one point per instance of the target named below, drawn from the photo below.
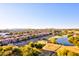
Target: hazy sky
(39, 16)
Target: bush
(44, 39)
(29, 51)
(24, 39)
(65, 52)
(34, 36)
(31, 44)
(71, 39)
(34, 52)
(17, 52)
(53, 40)
(62, 52)
(74, 40)
(36, 45)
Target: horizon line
(36, 28)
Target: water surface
(64, 41)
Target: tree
(74, 40)
(34, 52)
(62, 52)
(31, 44)
(17, 52)
(38, 46)
(1, 50)
(27, 50)
(71, 39)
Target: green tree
(31, 44)
(34, 52)
(62, 52)
(16, 52)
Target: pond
(64, 41)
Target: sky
(42, 15)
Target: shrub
(17, 52)
(34, 52)
(53, 40)
(65, 52)
(74, 40)
(24, 39)
(34, 36)
(31, 44)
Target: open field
(56, 47)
